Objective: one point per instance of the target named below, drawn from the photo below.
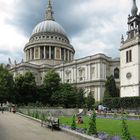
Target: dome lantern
(49, 12)
(49, 25)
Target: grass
(110, 126)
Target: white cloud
(85, 44)
(12, 40)
(105, 21)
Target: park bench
(51, 122)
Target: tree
(6, 85)
(68, 95)
(65, 96)
(51, 83)
(42, 95)
(73, 125)
(125, 131)
(25, 87)
(90, 101)
(19, 90)
(52, 80)
(110, 87)
(80, 97)
(56, 98)
(92, 124)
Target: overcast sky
(93, 26)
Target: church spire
(134, 9)
(133, 22)
(122, 39)
(49, 12)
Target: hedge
(126, 102)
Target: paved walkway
(16, 127)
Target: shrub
(43, 118)
(73, 125)
(127, 102)
(92, 124)
(125, 132)
(36, 114)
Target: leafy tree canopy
(90, 101)
(65, 96)
(80, 97)
(110, 87)
(6, 84)
(25, 87)
(52, 81)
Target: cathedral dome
(49, 43)
(49, 26)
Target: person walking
(2, 108)
(14, 109)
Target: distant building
(49, 47)
(130, 56)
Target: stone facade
(49, 47)
(130, 56)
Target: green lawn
(110, 126)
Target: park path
(16, 127)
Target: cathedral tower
(130, 56)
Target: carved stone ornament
(128, 75)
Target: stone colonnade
(49, 52)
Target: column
(99, 71)
(61, 71)
(68, 55)
(64, 54)
(87, 73)
(90, 76)
(96, 71)
(96, 94)
(55, 54)
(60, 54)
(44, 52)
(39, 48)
(34, 53)
(49, 52)
(30, 54)
(99, 93)
(105, 72)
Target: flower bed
(108, 127)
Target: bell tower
(133, 22)
(130, 56)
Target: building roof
(49, 26)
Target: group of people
(80, 120)
(11, 108)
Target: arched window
(116, 73)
